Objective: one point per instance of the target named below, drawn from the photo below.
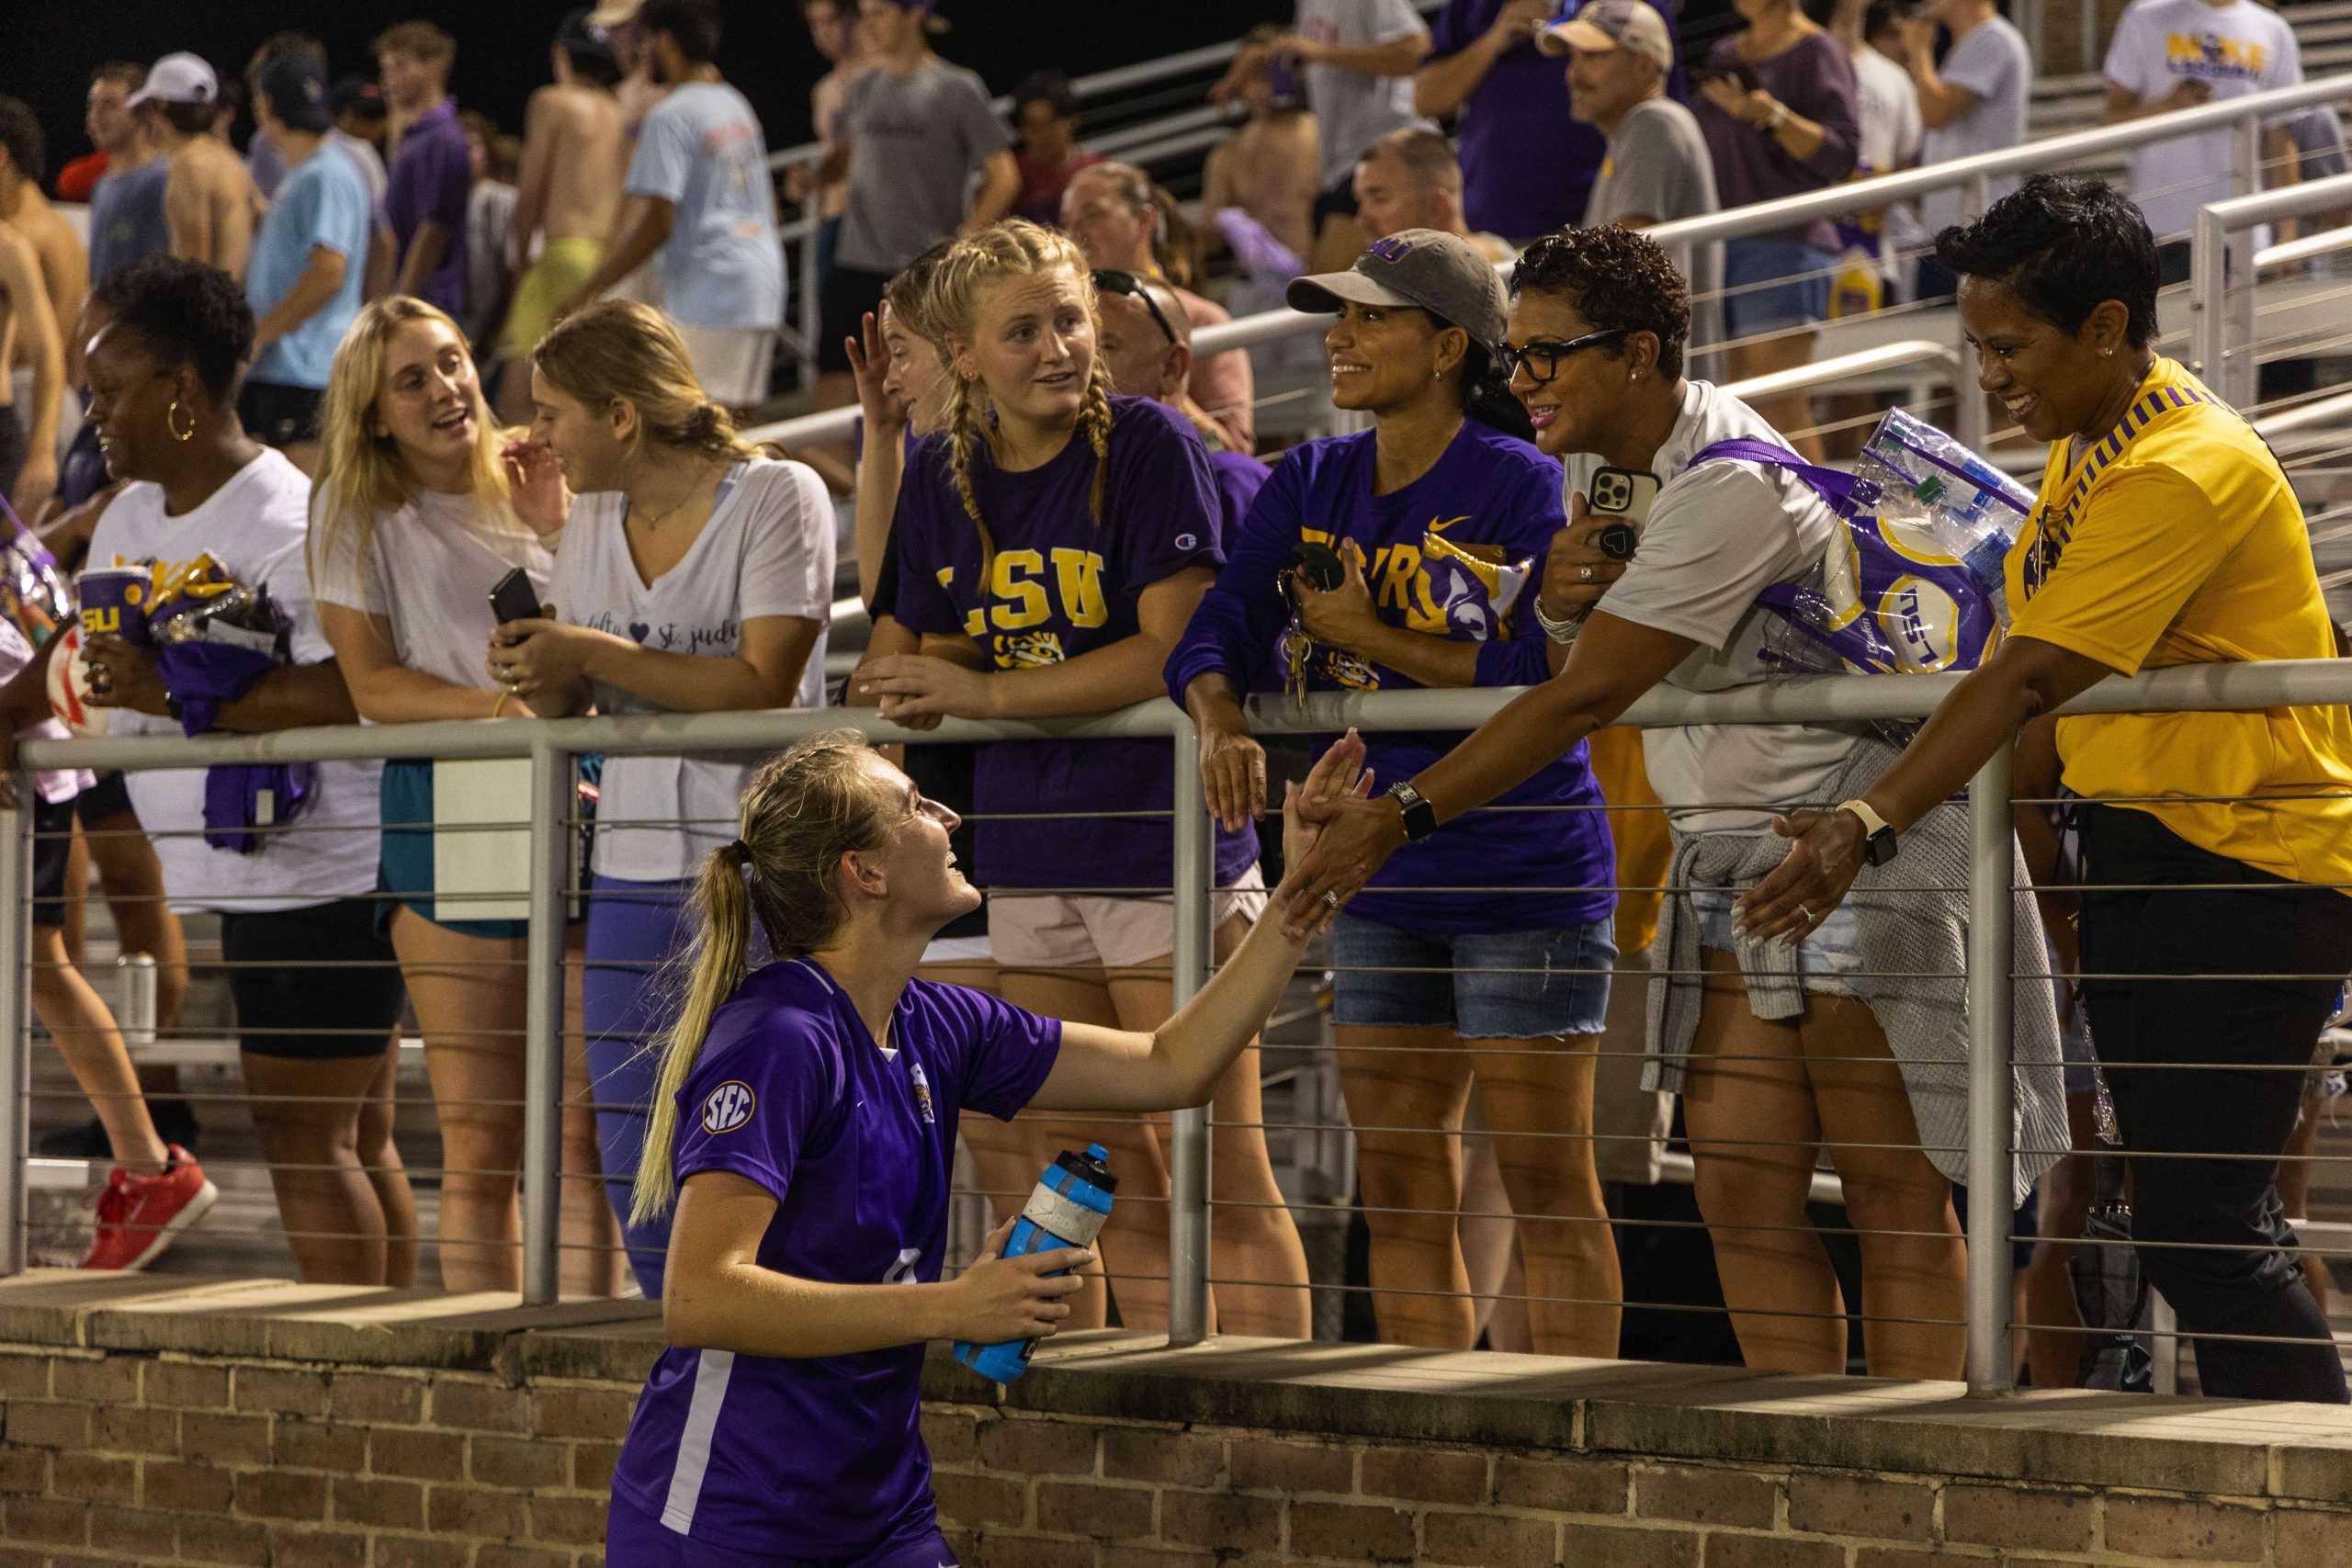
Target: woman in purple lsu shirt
(1487, 955)
(804, 1125)
(1051, 543)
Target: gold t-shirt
(2178, 539)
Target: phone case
(1621, 492)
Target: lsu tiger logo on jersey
(727, 1107)
(1026, 650)
(922, 1095)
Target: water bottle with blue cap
(1067, 1207)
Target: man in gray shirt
(1974, 102)
(1656, 168)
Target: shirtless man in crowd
(28, 436)
(209, 199)
(573, 162)
(64, 265)
(1271, 166)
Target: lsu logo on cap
(727, 1107)
(1391, 249)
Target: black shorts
(848, 294)
(13, 447)
(52, 846)
(1339, 202)
(316, 983)
(277, 415)
(103, 801)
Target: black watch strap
(1421, 816)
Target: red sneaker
(138, 1215)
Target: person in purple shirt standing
(1782, 117)
(805, 1130)
(432, 173)
(1487, 955)
(1050, 558)
(1484, 65)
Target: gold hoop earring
(171, 423)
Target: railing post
(2208, 327)
(554, 796)
(1188, 1163)
(812, 313)
(16, 1039)
(1991, 1090)
(1970, 421)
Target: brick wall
(288, 1426)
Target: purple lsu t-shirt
(823, 1455)
(1527, 168)
(1498, 497)
(1059, 585)
(431, 181)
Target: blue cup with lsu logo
(115, 602)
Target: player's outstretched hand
(1000, 1298)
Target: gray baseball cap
(1442, 274)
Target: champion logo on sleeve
(727, 1107)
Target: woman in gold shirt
(2165, 534)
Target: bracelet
(1774, 120)
(499, 705)
(1561, 632)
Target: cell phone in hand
(1623, 497)
(514, 598)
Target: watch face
(1879, 848)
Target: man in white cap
(1656, 168)
(210, 202)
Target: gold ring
(1584, 574)
(1331, 898)
(1805, 915)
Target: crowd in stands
(390, 357)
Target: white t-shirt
(429, 569)
(767, 550)
(2234, 50)
(1355, 109)
(1888, 113)
(1990, 60)
(254, 526)
(1717, 536)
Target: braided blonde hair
(1014, 248)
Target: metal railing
(2243, 116)
(553, 746)
(2235, 376)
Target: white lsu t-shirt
(255, 527)
(2233, 50)
(429, 569)
(1717, 536)
(767, 550)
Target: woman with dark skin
(2167, 534)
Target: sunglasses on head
(1114, 280)
(1540, 359)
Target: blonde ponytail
(802, 811)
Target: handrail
(835, 424)
(2208, 269)
(1808, 699)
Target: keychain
(1322, 568)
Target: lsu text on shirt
(1061, 585)
(254, 526)
(1497, 497)
(2179, 541)
(819, 1456)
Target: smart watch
(1421, 816)
(1878, 839)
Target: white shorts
(732, 363)
(1049, 931)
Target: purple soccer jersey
(1061, 585)
(822, 1456)
(1497, 501)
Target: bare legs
(332, 1167)
(1759, 1099)
(78, 1020)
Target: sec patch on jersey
(727, 1107)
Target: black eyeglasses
(1540, 359)
(1112, 280)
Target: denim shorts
(1829, 960)
(1773, 284)
(1525, 985)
